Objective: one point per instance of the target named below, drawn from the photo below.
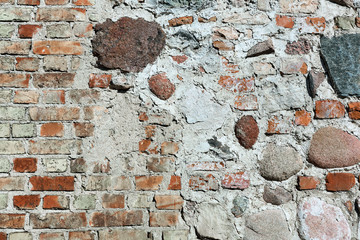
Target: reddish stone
(247, 131)
(302, 46)
(261, 48)
(302, 118)
(175, 183)
(341, 148)
(26, 201)
(161, 86)
(179, 59)
(349, 206)
(239, 180)
(285, 21)
(25, 165)
(99, 80)
(181, 21)
(313, 81)
(329, 109)
(128, 44)
(307, 182)
(354, 110)
(339, 181)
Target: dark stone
(261, 48)
(161, 86)
(246, 131)
(302, 46)
(240, 205)
(341, 56)
(197, 4)
(333, 148)
(276, 196)
(127, 44)
(347, 3)
(313, 81)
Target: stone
(280, 163)
(261, 48)
(161, 86)
(213, 222)
(347, 3)
(276, 196)
(240, 204)
(302, 46)
(341, 148)
(248, 18)
(345, 23)
(127, 44)
(345, 77)
(313, 81)
(320, 220)
(246, 131)
(267, 225)
(175, 235)
(298, 6)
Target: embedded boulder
(333, 148)
(127, 44)
(246, 131)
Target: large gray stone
(341, 55)
(276, 196)
(267, 225)
(280, 163)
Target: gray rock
(341, 55)
(267, 225)
(347, 3)
(313, 81)
(197, 4)
(240, 206)
(276, 196)
(261, 48)
(280, 163)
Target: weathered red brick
(28, 31)
(84, 96)
(354, 110)
(55, 202)
(116, 219)
(150, 131)
(148, 182)
(113, 201)
(307, 182)
(143, 117)
(170, 202)
(169, 148)
(12, 183)
(181, 21)
(285, 21)
(53, 80)
(56, 2)
(83, 2)
(99, 80)
(58, 220)
(246, 102)
(57, 48)
(26, 97)
(64, 183)
(52, 130)
(237, 85)
(144, 145)
(203, 183)
(164, 219)
(82, 235)
(83, 30)
(54, 114)
(3, 236)
(29, 2)
(51, 236)
(339, 181)
(175, 183)
(279, 125)
(54, 96)
(14, 80)
(84, 129)
(206, 166)
(318, 23)
(9, 221)
(329, 109)
(26, 201)
(302, 118)
(61, 14)
(29, 64)
(239, 180)
(25, 165)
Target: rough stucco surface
(151, 151)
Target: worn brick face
(25, 165)
(116, 219)
(52, 183)
(58, 220)
(55, 202)
(148, 182)
(12, 220)
(26, 201)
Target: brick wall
(236, 131)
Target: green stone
(85, 202)
(6, 31)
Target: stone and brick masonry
(178, 119)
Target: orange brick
(319, 23)
(14, 80)
(302, 118)
(99, 80)
(181, 21)
(237, 85)
(285, 21)
(29, 2)
(329, 109)
(308, 182)
(52, 130)
(57, 48)
(51, 236)
(26, 201)
(354, 110)
(64, 183)
(169, 202)
(223, 46)
(28, 31)
(27, 64)
(56, 2)
(25, 165)
(83, 2)
(246, 102)
(26, 97)
(175, 183)
(55, 202)
(148, 182)
(339, 181)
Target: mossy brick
(20, 236)
(7, 63)
(55, 164)
(23, 130)
(4, 130)
(85, 202)
(7, 30)
(5, 95)
(12, 113)
(11, 147)
(59, 31)
(5, 165)
(3, 201)
(15, 14)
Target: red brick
(144, 145)
(349, 206)
(26, 201)
(28, 31)
(61, 14)
(3, 236)
(318, 23)
(52, 130)
(116, 219)
(354, 110)
(65, 183)
(83, 2)
(181, 21)
(51, 236)
(54, 96)
(285, 21)
(53, 80)
(170, 202)
(179, 59)
(175, 183)
(58, 220)
(56, 2)
(239, 180)
(302, 118)
(113, 201)
(57, 48)
(3, 2)
(148, 182)
(307, 182)
(14, 80)
(246, 102)
(206, 166)
(55, 202)
(29, 2)
(27, 64)
(84, 129)
(237, 85)
(329, 109)
(164, 219)
(203, 183)
(9, 221)
(26, 97)
(99, 80)
(339, 181)
(169, 148)
(25, 165)
(82, 235)
(54, 114)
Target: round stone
(127, 44)
(333, 148)
(246, 131)
(280, 163)
(161, 86)
(319, 220)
